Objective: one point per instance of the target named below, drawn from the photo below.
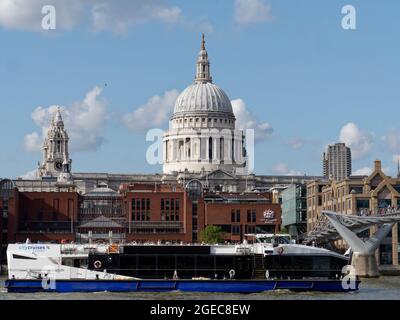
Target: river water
(384, 288)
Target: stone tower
(55, 149)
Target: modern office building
(336, 162)
(294, 210)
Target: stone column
(365, 265)
(395, 244)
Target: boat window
(282, 240)
(265, 240)
(17, 256)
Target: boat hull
(222, 286)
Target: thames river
(384, 288)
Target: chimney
(378, 165)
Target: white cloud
(251, 11)
(396, 158)
(296, 143)
(27, 15)
(154, 114)
(33, 142)
(107, 15)
(284, 170)
(84, 122)
(101, 14)
(245, 120)
(365, 171)
(199, 25)
(392, 140)
(31, 175)
(359, 141)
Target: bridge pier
(365, 265)
(363, 259)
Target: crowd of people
(378, 211)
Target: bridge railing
(377, 212)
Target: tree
(211, 234)
(283, 230)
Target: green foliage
(284, 230)
(211, 234)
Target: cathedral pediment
(220, 175)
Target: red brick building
(136, 212)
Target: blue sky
(290, 62)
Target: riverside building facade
(376, 194)
(139, 212)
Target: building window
(235, 215)
(235, 230)
(253, 216)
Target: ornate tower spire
(57, 119)
(203, 64)
(55, 149)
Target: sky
(291, 70)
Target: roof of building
(203, 96)
(101, 222)
(102, 191)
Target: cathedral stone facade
(202, 136)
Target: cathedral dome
(202, 97)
